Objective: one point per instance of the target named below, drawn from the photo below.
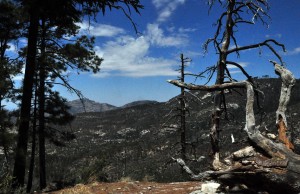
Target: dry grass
(133, 187)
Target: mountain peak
(87, 105)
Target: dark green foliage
(79, 56)
(7, 138)
(10, 30)
(94, 170)
(57, 109)
(58, 20)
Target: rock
(210, 187)
(271, 136)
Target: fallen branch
(280, 165)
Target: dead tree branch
(258, 45)
(279, 164)
(288, 82)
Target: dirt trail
(133, 188)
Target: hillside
(87, 105)
(140, 102)
(139, 141)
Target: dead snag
(288, 82)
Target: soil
(133, 188)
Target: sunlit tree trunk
(216, 114)
(182, 111)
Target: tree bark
(272, 163)
(33, 145)
(218, 97)
(41, 92)
(21, 150)
(183, 112)
(288, 82)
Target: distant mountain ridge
(87, 105)
(139, 102)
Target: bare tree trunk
(215, 129)
(42, 75)
(183, 111)
(21, 150)
(33, 145)
(272, 163)
(288, 82)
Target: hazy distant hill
(140, 102)
(89, 106)
(92, 106)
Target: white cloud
(12, 48)
(23, 41)
(273, 35)
(157, 37)
(128, 56)
(192, 54)
(102, 74)
(235, 72)
(243, 64)
(295, 51)
(159, 3)
(166, 8)
(97, 30)
(185, 30)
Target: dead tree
(288, 82)
(183, 107)
(272, 161)
(225, 44)
(181, 111)
(265, 161)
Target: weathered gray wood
(273, 162)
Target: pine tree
(63, 15)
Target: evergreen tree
(63, 15)
(10, 31)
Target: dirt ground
(133, 188)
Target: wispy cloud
(166, 8)
(274, 35)
(160, 3)
(235, 70)
(233, 67)
(295, 51)
(186, 30)
(128, 56)
(157, 37)
(192, 54)
(99, 30)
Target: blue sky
(136, 67)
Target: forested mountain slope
(139, 141)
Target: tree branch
(264, 43)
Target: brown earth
(135, 187)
